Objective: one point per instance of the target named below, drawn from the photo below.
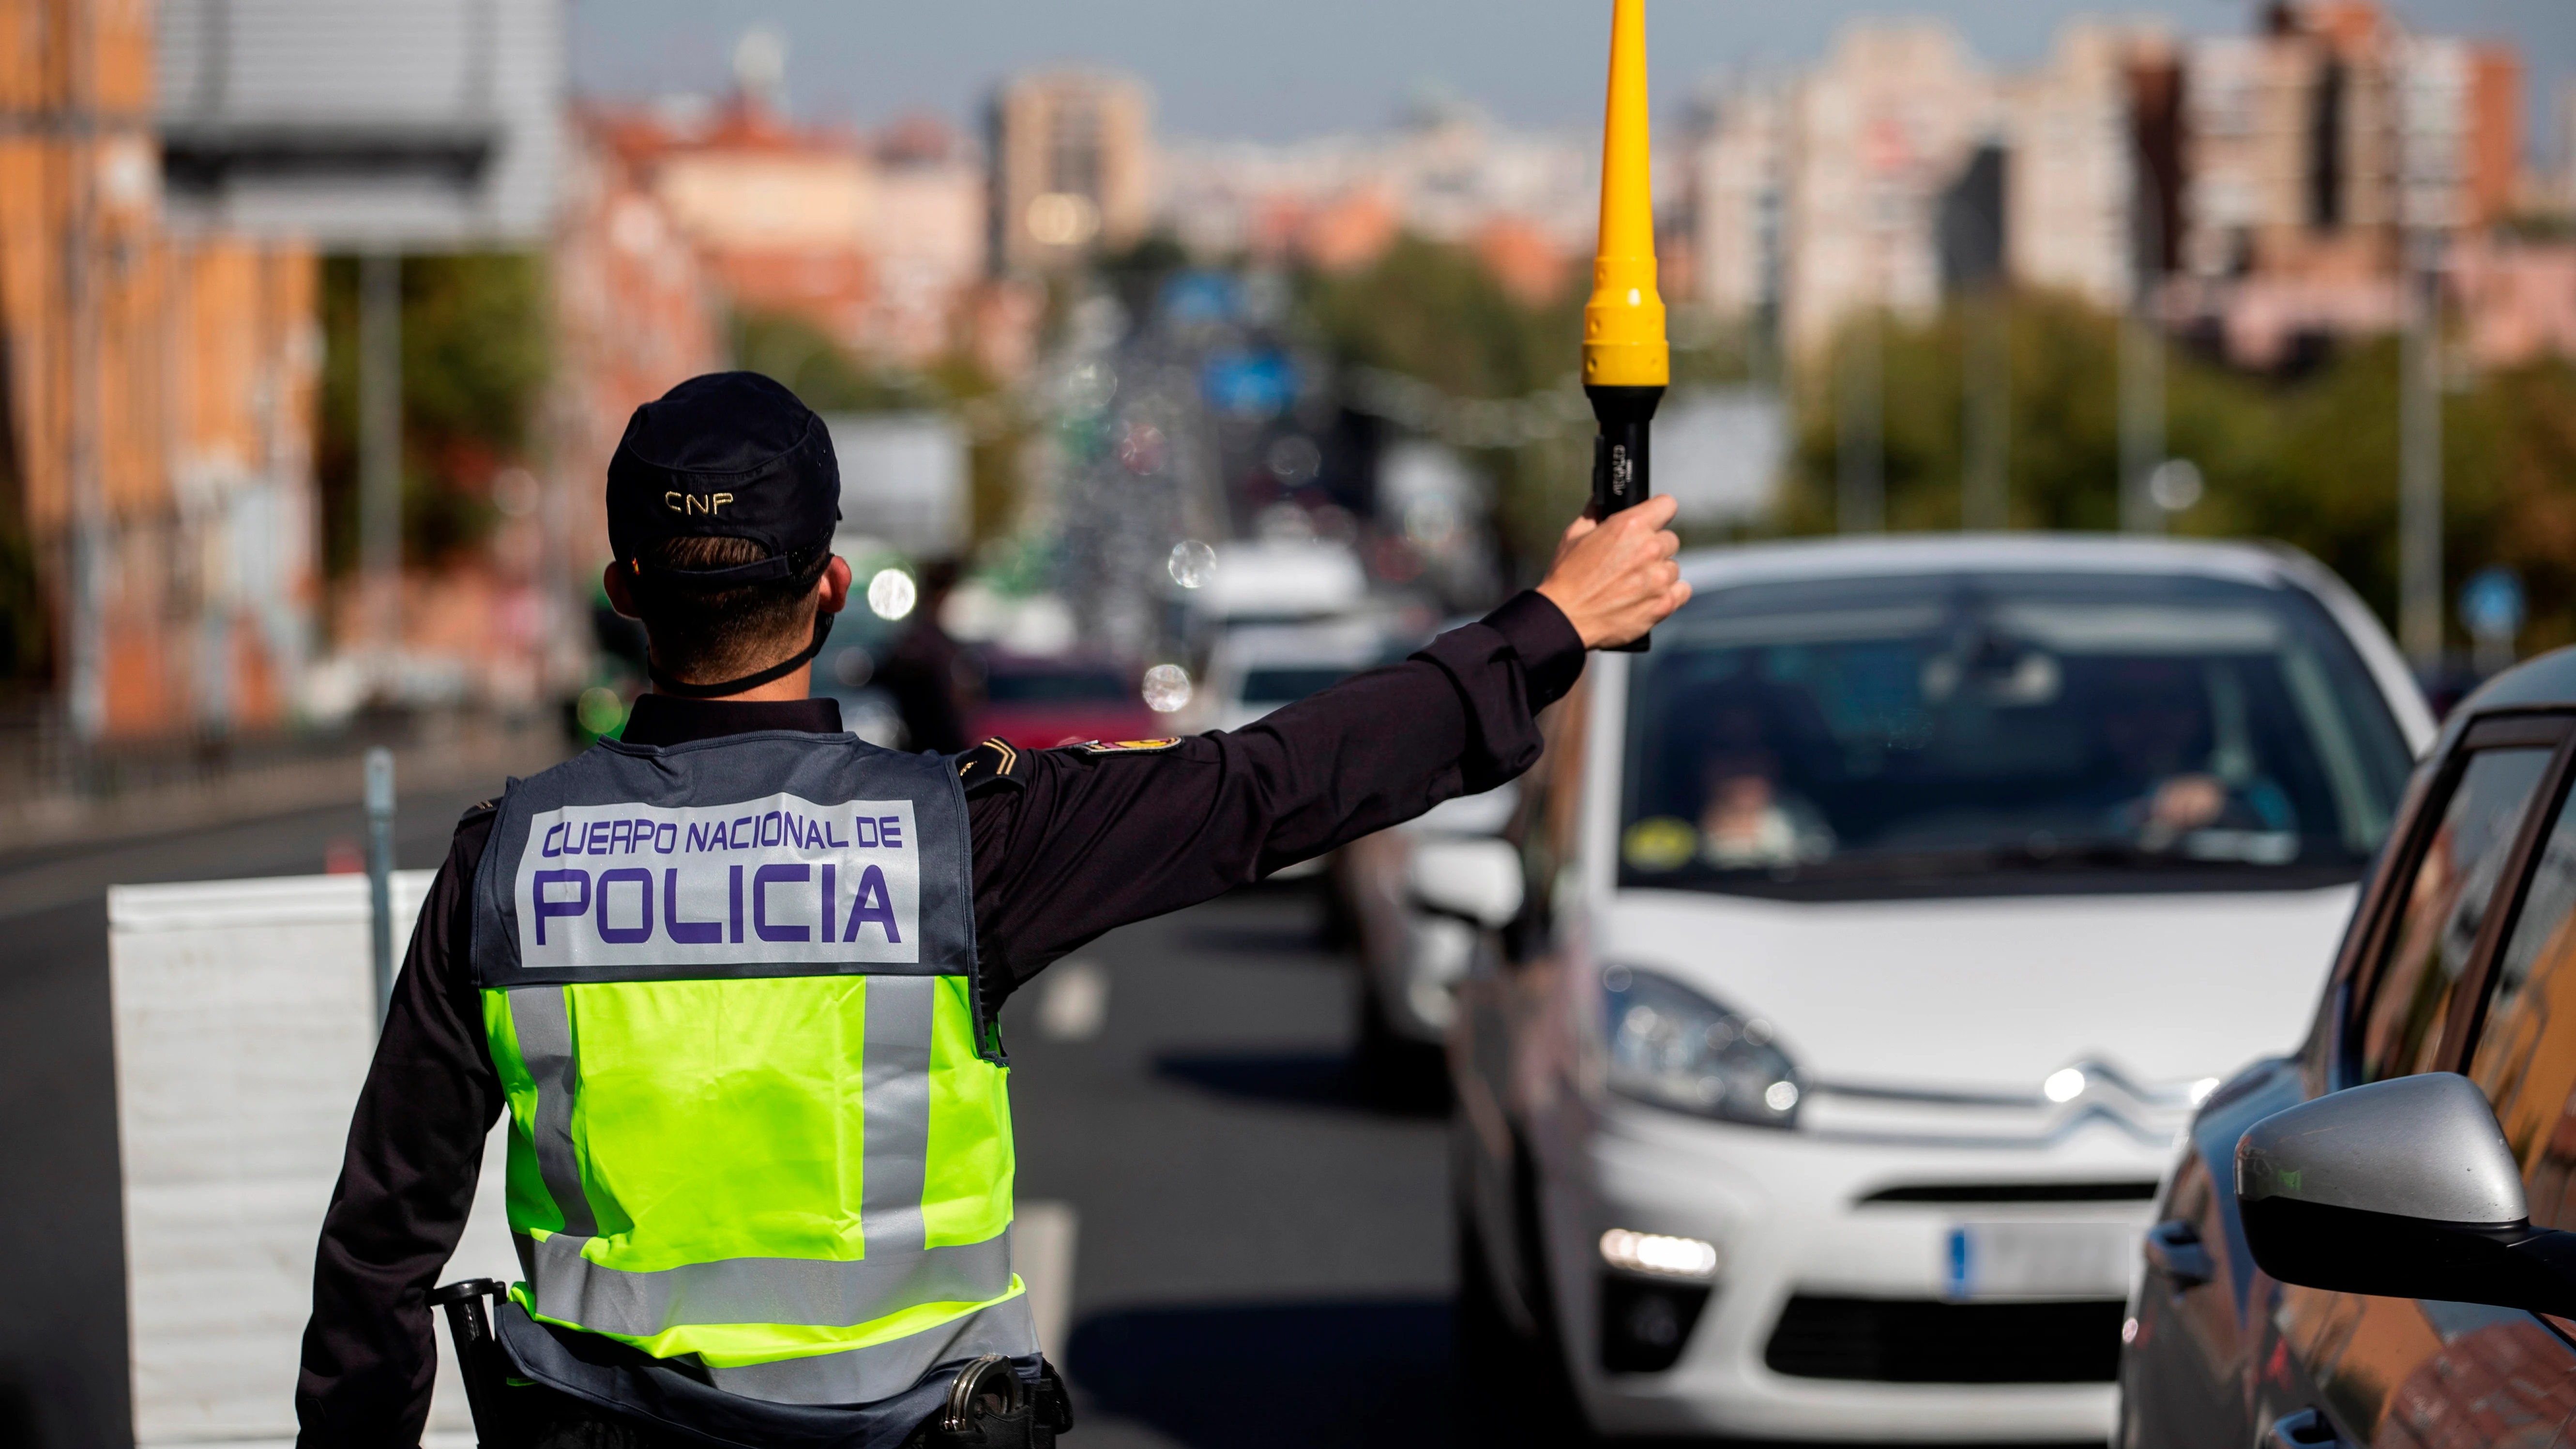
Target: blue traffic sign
(2491, 603)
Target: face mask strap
(667, 685)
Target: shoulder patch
(1126, 747)
(994, 762)
(479, 809)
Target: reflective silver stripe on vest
(544, 1027)
(879, 1371)
(815, 1292)
(895, 1096)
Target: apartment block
(2327, 155)
(876, 241)
(1879, 132)
(1526, 201)
(2083, 199)
(1072, 167)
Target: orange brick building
(879, 242)
(159, 391)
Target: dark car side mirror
(2401, 1189)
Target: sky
(1287, 68)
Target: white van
(1860, 950)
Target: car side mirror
(2401, 1189)
(1477, 881)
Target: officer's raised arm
(1070, 843)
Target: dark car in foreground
(2369, 1242)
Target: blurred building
(780, 213)
(156, 413)
(389, 128)
(1900, 169)
(636, 311)
(2558, 186)
(877, 243)
(1735, 196)
(2087, 135)
(1526, 201)
(2517, 299)
(2262, 190)
(1072, 167)
(2318, 152)
(928, 237)
(1877, 134)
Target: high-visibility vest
(757, 1122)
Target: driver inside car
(2158, 738)
(1748, 820)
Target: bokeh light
(891, 594)
(1167, 688)
(1192, 564)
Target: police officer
(734, 976)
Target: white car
(1411, 960)
(1862, 948)
(1256, 668)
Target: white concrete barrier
(244, 1019)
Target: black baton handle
(1621, 473)
(480, 1361)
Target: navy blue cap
(726, 455)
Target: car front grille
(2138, 1190)
(1925, 1341)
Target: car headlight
(1673, 1047)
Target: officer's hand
(1616, 580)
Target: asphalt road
(1262, 1256)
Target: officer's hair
(705, 634)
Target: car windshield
(2003, 733)
(1069, 685)
(1287, 683)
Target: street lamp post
(1983, 298)
(1860, 449)
(2419, 487)
(2142, 358)
(380, 444)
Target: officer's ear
(619, 580)
(832, 590)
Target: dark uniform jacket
(1066, 845)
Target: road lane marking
(1074, 1002)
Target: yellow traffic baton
(1626, 360)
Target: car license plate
(2037, 1260)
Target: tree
(474, 355)
(2309, 460)
(828, 377)
(1434, 313)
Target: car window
(1056, 686)
(2526, 1052)
(2004, 733)
(2439, 910)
